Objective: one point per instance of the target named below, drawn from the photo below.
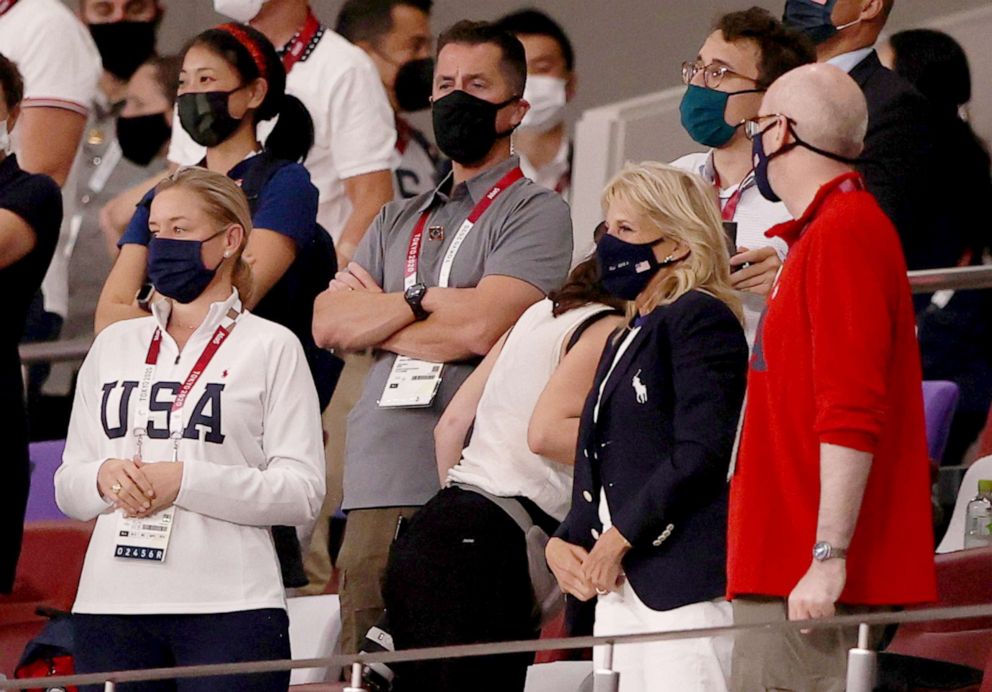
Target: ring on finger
(601, 592)
(116, 488)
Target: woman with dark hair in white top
(470, 567)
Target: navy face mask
(627, 268)
(813, 18)
(176, 269)
(761, 159)
(703, 112)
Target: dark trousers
(125, 642)
(40, 326)
(956, 345)
(13, 503)
(458, 575)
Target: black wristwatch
(144, 296)
(414, 297)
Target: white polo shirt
(54, 52)
(754, 216)
(61, 67)
(555, 175)
(354, 132)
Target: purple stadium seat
(45, 459)
(940, 400)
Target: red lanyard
(151, 360)
(729, 209)
(416, 237)
(6, 5)
(299, 43)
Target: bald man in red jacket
(830, 499)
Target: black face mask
(142, 136)
(465, 126)
(414, 81)
(124, 46)
(206, 118)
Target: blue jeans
(124, 642)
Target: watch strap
(414, 299)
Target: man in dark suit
(900, 159)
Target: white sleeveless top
(498, 459)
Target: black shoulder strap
(584, 325)
(258, 176)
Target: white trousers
(685, 665)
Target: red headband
(242, 37)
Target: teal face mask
(702, 111)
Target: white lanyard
(417, 235)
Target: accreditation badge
(144, 538)
(412, 383)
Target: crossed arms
(355, 313)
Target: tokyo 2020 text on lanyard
(413, 383)
(147, 538)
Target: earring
(227, 254)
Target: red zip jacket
(836, 361)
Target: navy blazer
(903, 162)
(661, 449)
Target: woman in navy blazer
(646, 532)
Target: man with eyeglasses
(830, 496)
(744, 54)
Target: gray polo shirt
(527, 234)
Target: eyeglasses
(760, 124)
(713, 74)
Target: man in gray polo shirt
(431, 292)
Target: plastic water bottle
(978, 518)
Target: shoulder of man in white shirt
(55, 53)
(692, 163)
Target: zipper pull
(139, 434)
(176, 436)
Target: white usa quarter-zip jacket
(252, 454)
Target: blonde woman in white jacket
(192, 432)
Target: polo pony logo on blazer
(639, 389)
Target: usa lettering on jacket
(204, 417)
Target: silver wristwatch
(823, 551)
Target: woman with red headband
(232, 80)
